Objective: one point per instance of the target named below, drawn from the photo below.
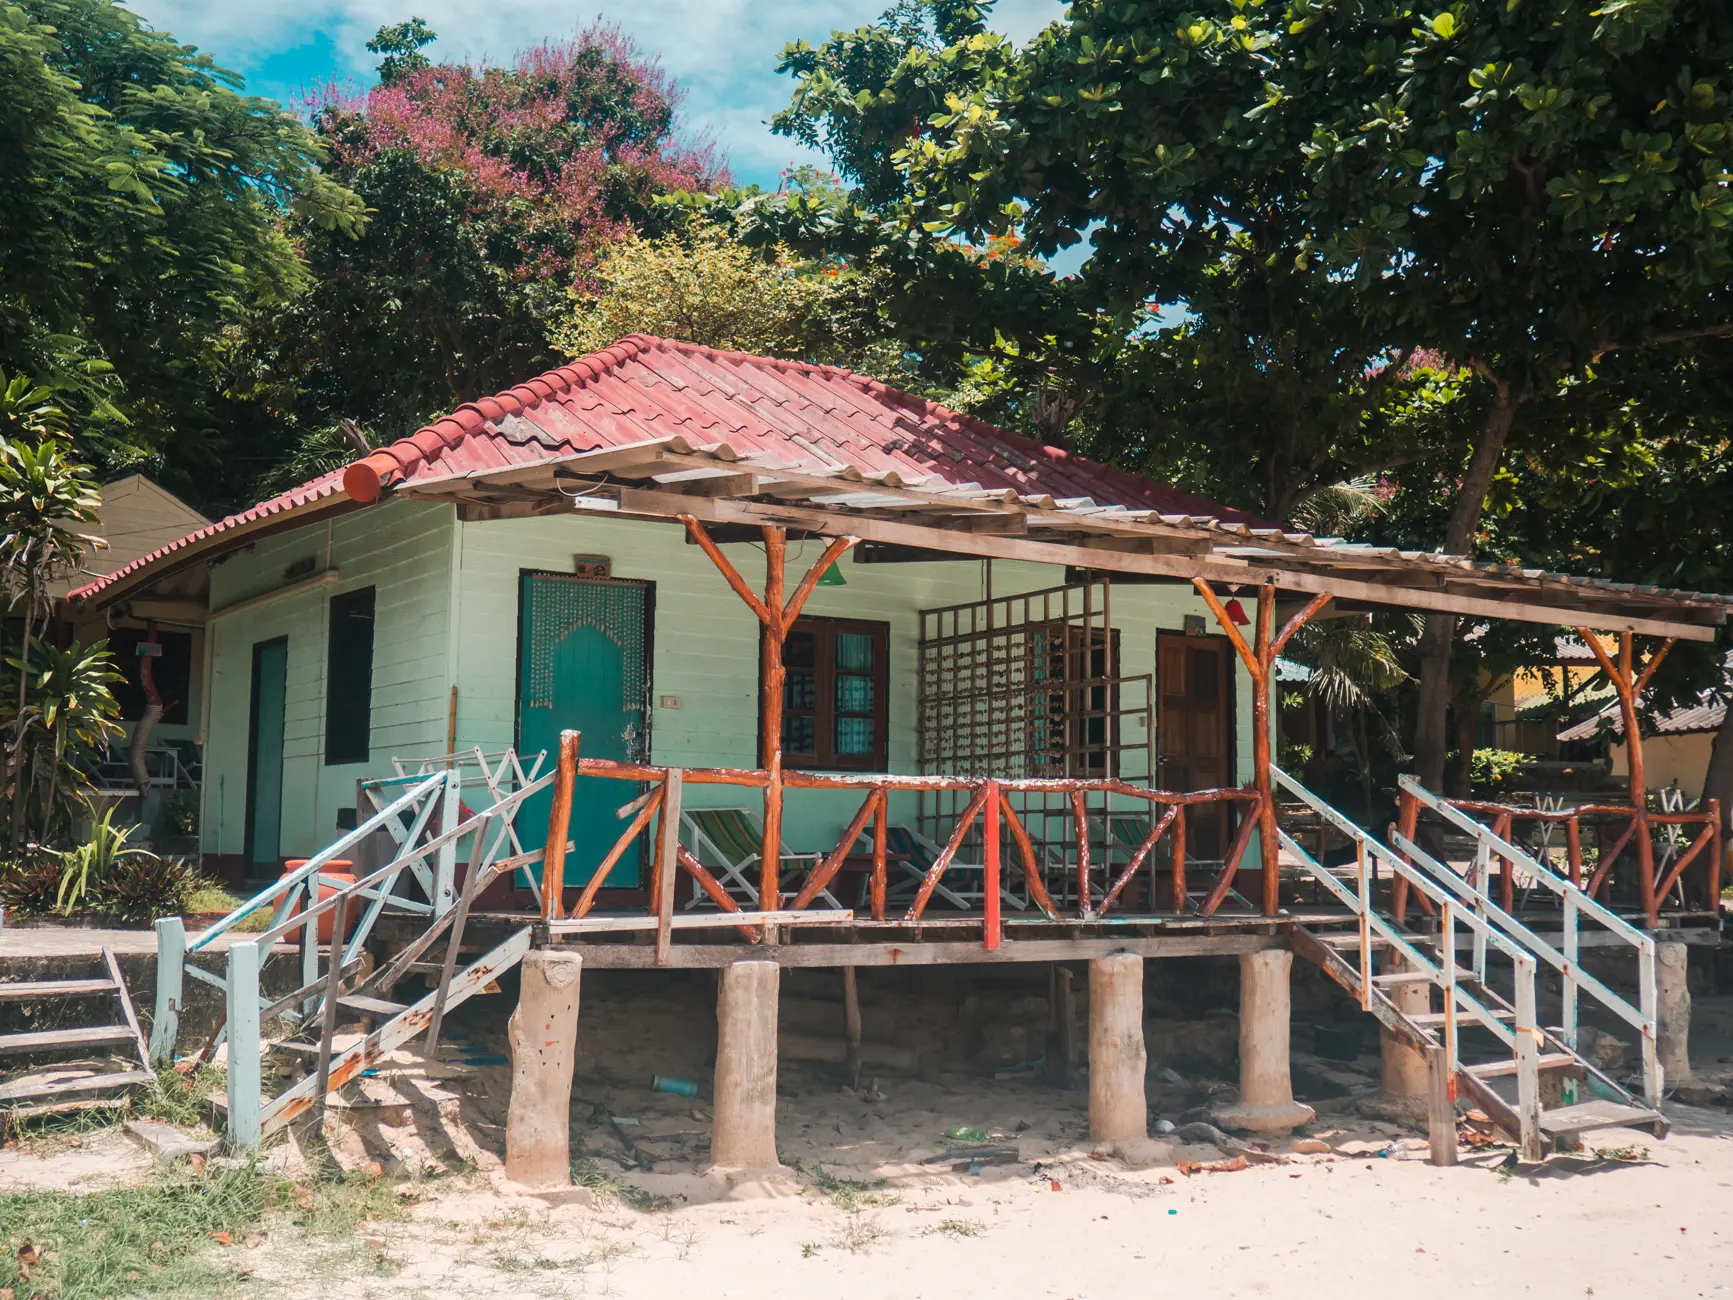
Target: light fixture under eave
(1236, 613)
(832, 577)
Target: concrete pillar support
(1266, 1103)
(744, 1135)
(544, 1041)
(1673, 1010)
(1117, 1109)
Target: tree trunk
(1467, 730)
(1718, 779)
(1431, 737)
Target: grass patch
(149, 1240)
(212, 897)
(960, 1228)
(1636, 1154)
(181, 1099)
(182, 1233)
(604, 1180)
(850, 1195)
(860, 1234)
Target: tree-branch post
(1260, 662)
(559, 825)
(1629, 685)
(772, 678)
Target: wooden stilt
(851, 1024)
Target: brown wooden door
(1195, 731)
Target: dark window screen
(349, 678)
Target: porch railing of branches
(1622, 833)
(987, 805)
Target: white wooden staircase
(1381, 954)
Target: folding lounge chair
(729, 843)
(963, 883)
(1125, 835)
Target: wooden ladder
(27, 1093)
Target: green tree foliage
(1524, 188)
(141, 218)
(401, 44)
(702, 287)
(57, 710)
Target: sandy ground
(1646, 1219)
(1365, 1214)
(1320, 1226)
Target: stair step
(1403, 977)
(29, 990)
(1352, 940)
(1462, 1017)
(373, 1008)
(80, 1037)
(1597, 1114)
(24, 1089)
(1504, 1069)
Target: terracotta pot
(336, 869)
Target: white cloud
(722, 51)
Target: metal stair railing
(1522, 1036)
(1577, 905)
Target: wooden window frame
(341, 712)
(824, 710)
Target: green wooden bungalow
(548, 559)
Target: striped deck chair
(728, 842)
(963, 883)
(1125, 835)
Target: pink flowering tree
(490, 191)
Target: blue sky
(722, 51)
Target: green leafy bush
(86, 867)
(1490, 770)
(180, 813)
(140, 888)
(30, 881)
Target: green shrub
(1490, 770)
(180, 813)
(142, 887)
(86, 867)
(30, 881)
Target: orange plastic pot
(336, 869)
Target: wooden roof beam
(1590, 613)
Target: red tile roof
(644, 388)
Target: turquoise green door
(581, 667)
